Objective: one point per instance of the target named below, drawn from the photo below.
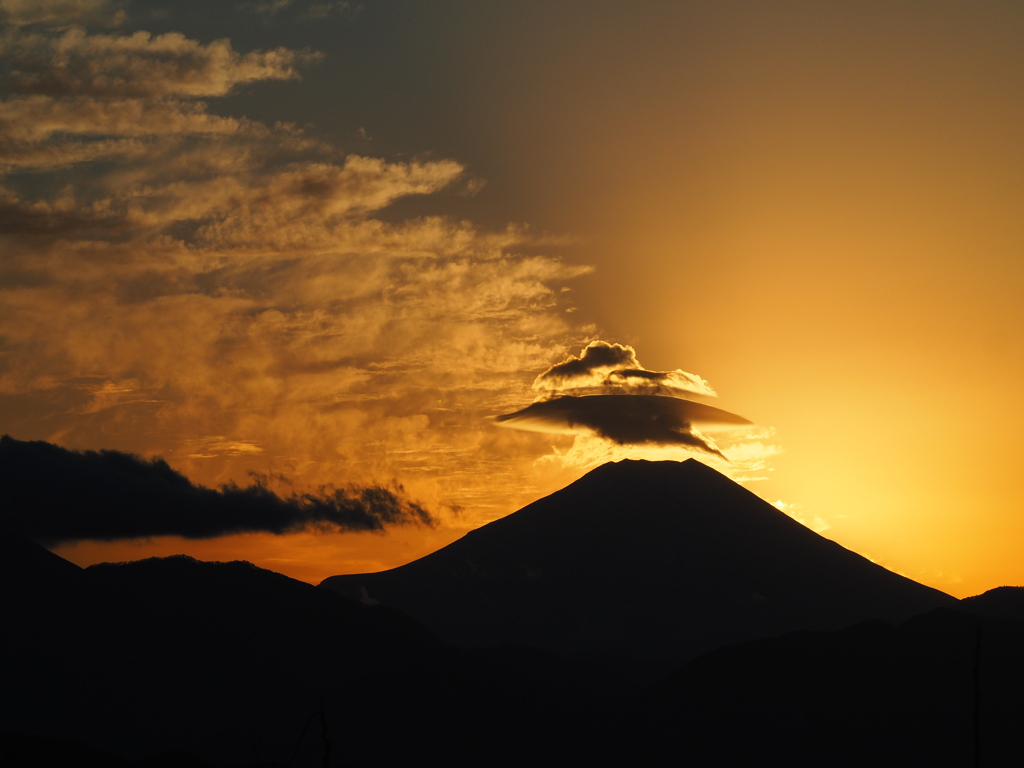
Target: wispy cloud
(228, 294)
(78, 96)
(304, 11)
(815, 523)
(140, 65)
(61, 13)
(170, 273)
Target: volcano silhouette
(643, 566)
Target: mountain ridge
(641, 564)
(231, 663)
(237, 665)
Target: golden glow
(305, 556)
(818, 212)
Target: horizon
(163, 546)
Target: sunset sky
(332, 242)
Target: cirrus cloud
(227, 294)
(60, 13)
(139, 65)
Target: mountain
(998, 603)
(221, 660)
(942, 689)
(234, 665)
(643, 566)
(34, 581)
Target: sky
(460, 253)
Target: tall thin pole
(977, 695)
(327, 744)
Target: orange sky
(329, 242)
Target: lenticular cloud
(607, 393)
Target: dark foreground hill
(232, 664)
(644, 565)
(998, 603)
(942, 689)
(174, 663)
(21, 750)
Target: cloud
(139, 65)
(60, 12)
(310, 205)
(614, 409)
(59, 215)
(268, 7)
(44, 132)
(318, 11)
(626, 419)
(816, 524)
(37, 118)
(228, 294)
(304, 206)
(78, 97)
(615, 366)
(53, 495)
(596, 360)
(305, 11)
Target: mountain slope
(643, 565)
(1001, 602)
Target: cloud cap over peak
(615, 366)
(626, 419)
(609, 402)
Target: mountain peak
(650, 563)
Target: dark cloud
(51, 494)
(14, 277)
(626, 419)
